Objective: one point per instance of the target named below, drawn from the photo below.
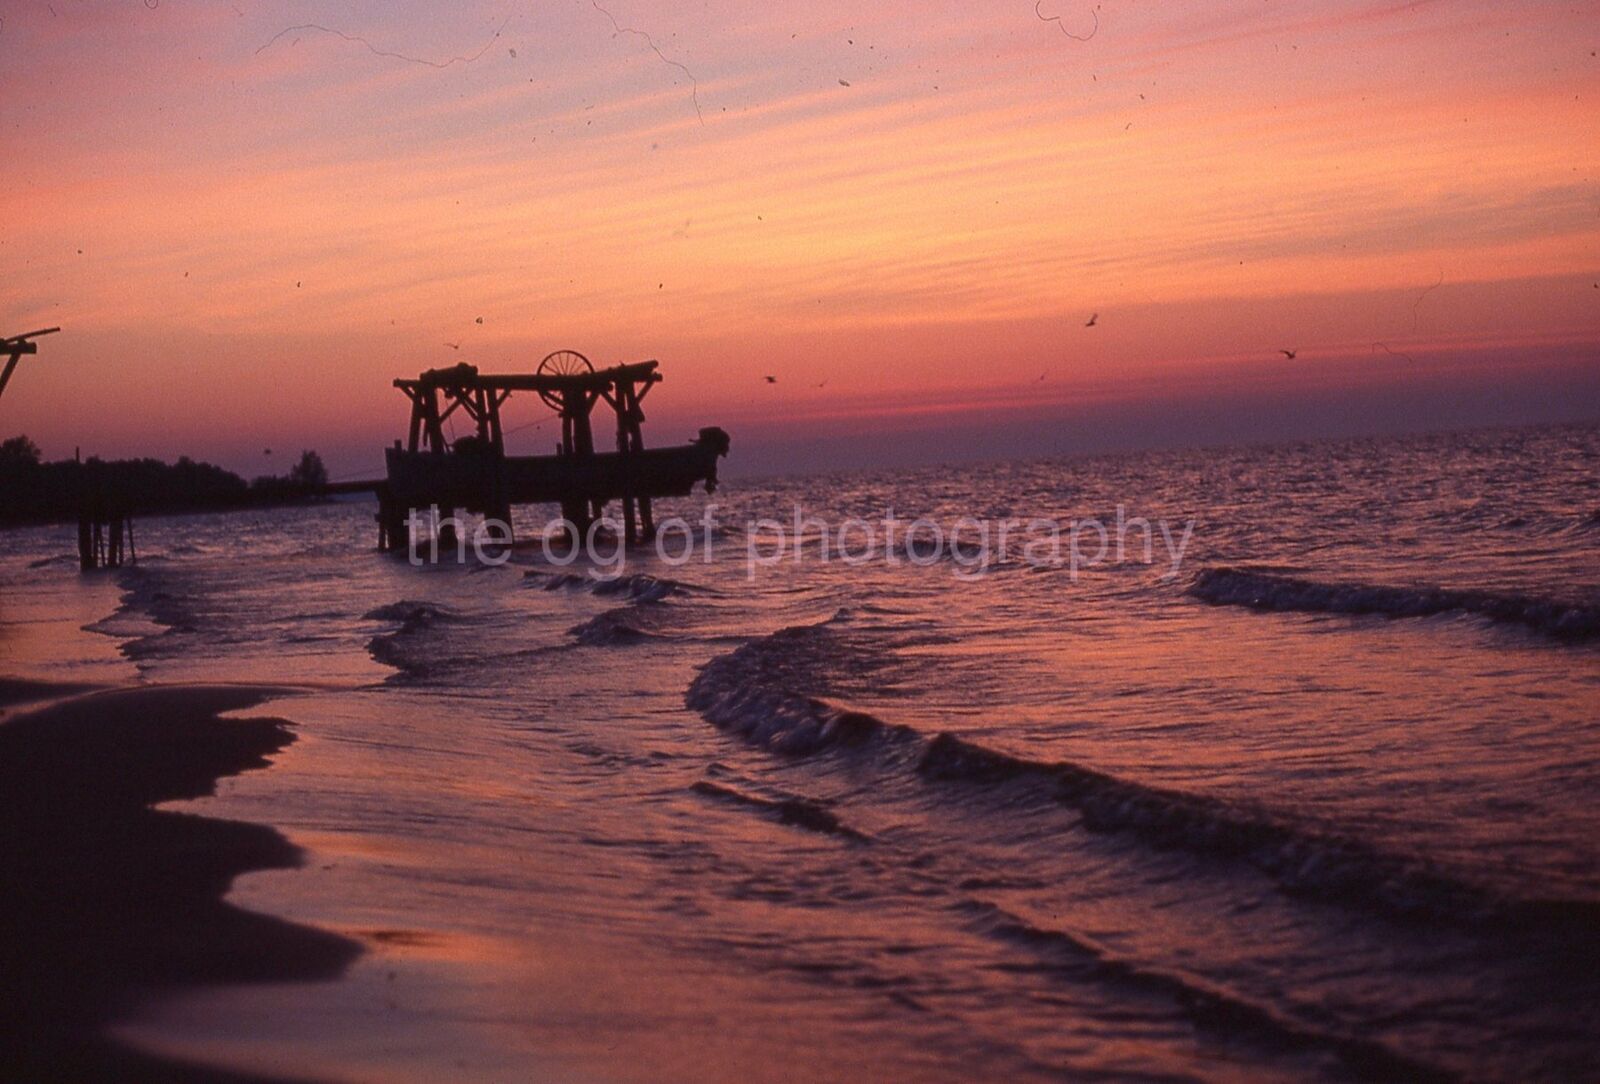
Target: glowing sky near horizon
(249, 221)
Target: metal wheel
(562, 363)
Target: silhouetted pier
(105, 526)
(473, 472)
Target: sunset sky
(250, 217)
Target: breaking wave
(746, 692)
(792, 810)
(411, 614)
(1271, 591)
(149, 599)
(626, 625)
(408, 648)
(1204, 1002)
(758, 693)
(644, 614)
(636, 587)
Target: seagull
(821, 385)
(771, 379)
(480, 319)
(1041, 378)
(454, 346)
(1288, 354)
(1093, 320)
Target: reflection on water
(877, 820)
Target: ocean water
(1315, 800)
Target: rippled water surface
(1316, 800)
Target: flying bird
(1288, 354)
(480, 319)
(771, 379)
(823, 384)
(454, 346)
(1093, 320)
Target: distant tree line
(33, 491)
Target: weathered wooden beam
(17, 346)
(417, 417)
(451, 409)
(435, 427)
(467, 376)
(11, 366)
(20, 343)
(630, 525)
(371, 485)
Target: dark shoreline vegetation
(108, 897)
(35, 492)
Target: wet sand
(107, 899)
(18, 693)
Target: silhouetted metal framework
(474, 473)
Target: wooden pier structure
(105, 528)
(473, 472)
(105, 525)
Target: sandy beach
(107, 898)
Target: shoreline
(176, 511)
(23, 696)
(109, 899)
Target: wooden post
(435, 425)
(91, 544)
(480, 411)
(415, 434)
(86, 553)
(630, 525)
(497, 436)
(11, 367)
(445, 531)
(393, 532)
(630, 441)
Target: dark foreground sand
(102, 897)
(17, 692)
